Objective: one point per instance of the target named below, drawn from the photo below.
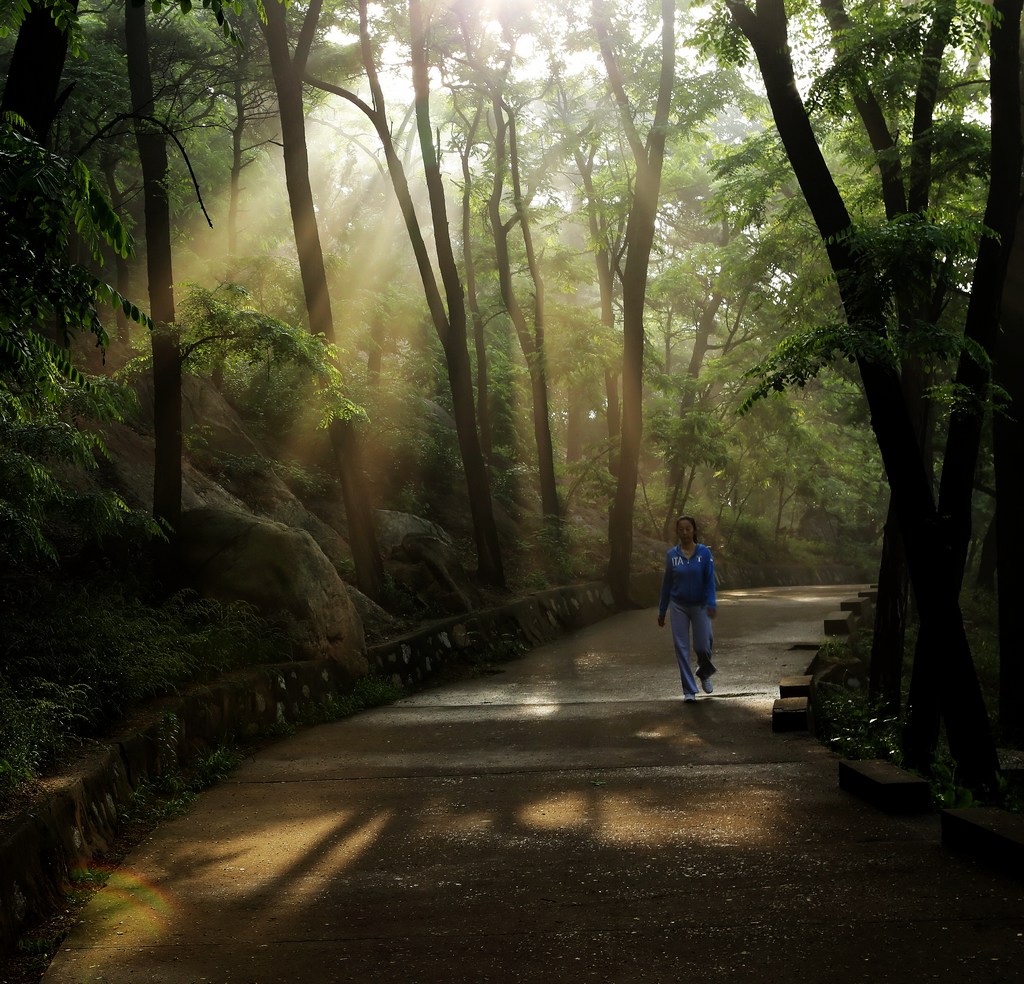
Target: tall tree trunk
(606, 290)
(613, 418)
(152, 146)
(701, 344)
(288, 71)
(649, 158)
(235, 183)
(532, 344)
(538, 364)
(454, 340)
(913, 306)
(575, 414)
(885, 671)
(985, 579)
(1008, 437)
(35, 69)
(450, 324)
(483, 409)
(965, 713)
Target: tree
(529, 330)
(37, 63)
(288, 67)
(447, 312)
(166, 355)
(934, 532)
(607, 242)
(648, 157)
(1008, 374)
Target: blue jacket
(688, 580)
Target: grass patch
(169, 795)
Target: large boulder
(208, 421)
(225, 462)
(282, 572)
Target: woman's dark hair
(691, 521)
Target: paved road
(566, 819)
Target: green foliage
(43, 196)
(42, 445)
(77, 656)
(171, 793)
(848, 723)
(553, 554)
(302, 480)
(893, 260)
(946, 790)
(43, 397)
(267, 364)
(219, 9)
(64, 13)
(719, 37)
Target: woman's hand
(712, 612)
(661, 621)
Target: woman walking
(688, 589)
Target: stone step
(795, 686)
(885, 785)
(790, 714)
(989, 834)
(839, 623)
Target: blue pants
(682, 618)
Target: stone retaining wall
(412, 659)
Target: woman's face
(684, 530)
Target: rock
(454, 586)
(266, 495)
(282, 572)
(129, 470)
(215, 435)
(840, 671)
(377, 623)
(394, 527)
(208, 422)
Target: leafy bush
(78, 656)
(43, 451)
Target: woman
(689, 587)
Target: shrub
(78, 656)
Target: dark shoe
(705, 685)
(689, 696)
